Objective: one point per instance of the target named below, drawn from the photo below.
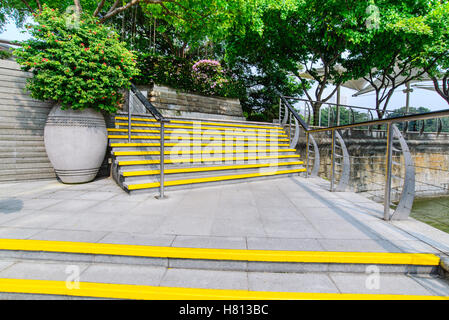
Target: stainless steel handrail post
(280, 107)
(387, 196)
(307, 154)
(162, 160)
(333, 161)
(130, 105)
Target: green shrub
(4, 54)
(206, 77)
(78, 65)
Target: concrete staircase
(198, 152)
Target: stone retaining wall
(22, 120)
(178, 104)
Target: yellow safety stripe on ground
(142, 292)
(189, 144)
(218, 168)
(199, 132)
(221, 254)
(181, 152)
(192, 138)
(194, 160)
(221, 124)
(200, 126)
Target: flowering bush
(78, 66)
(208, 75)
(179, 73)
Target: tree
(304, 37)
(404, 46)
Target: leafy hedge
(77, 64)
(4, 54)
(205, 77)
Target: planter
(75, 141)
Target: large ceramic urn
(76, 142)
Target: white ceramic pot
(76, 142)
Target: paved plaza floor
(292, 213)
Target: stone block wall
(22, 121)
(178, 104)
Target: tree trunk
(316, 113)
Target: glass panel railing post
(387, 196)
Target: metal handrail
(403, 209)
(410, 117)
(148, 105)
(162, 120)
(335, 104)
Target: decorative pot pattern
(75, 141)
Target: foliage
(78, 67)
(209, 76)
(5, 54)
(302, 38)
(430, 125)
(181, 74)
(406, 44)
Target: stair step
(200, 126)
(234, 124)
(184, 152)
(214, 159)
(194, 144)
(202, 133)
(139, 186)
(206, 169)
(142, 137)
(146, 292)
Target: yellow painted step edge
(221, 124)
(221, 254)
(194, 160)
(210, 179)
(187, 144)
(142, 292)
(202, 133)
(202, 127)
(183, 152)
(192, 138)
(218, 168)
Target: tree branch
(99, 7)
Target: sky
(418, 98)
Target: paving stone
(124, 274)
(290, 229)
(69, 235)
(436, 285)
(75, 206)
(295, 244)
(41, 270)
(388, 284)
(97, 195)
(232, 228)
(291, 282)
(18, 233)
(210, 242)
(359, 245)
(138, 239)
(35, 220)
(337, 229)
(207, 279)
